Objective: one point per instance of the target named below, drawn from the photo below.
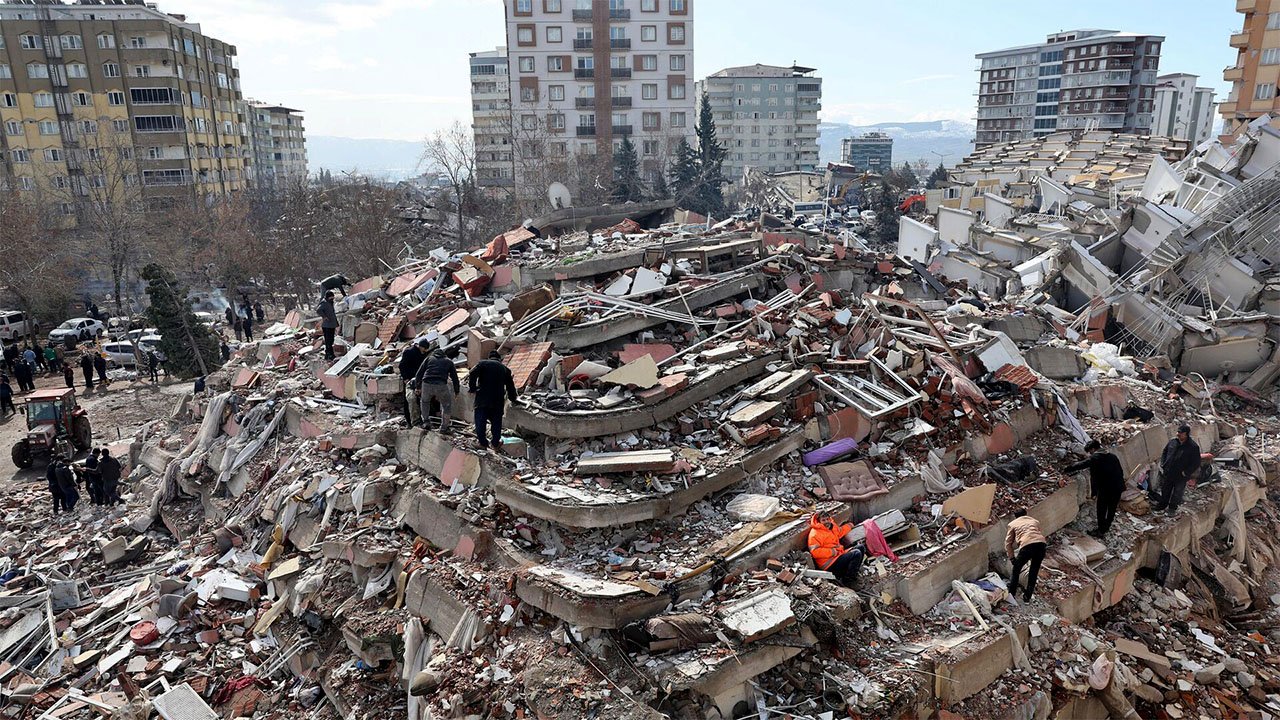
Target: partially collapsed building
(690, 396)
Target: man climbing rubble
(826, 546)
(437, 379)
(410, 363)
(1026, 537)
(487, 381)
(1106, 483)
(1179, 461)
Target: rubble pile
(690, 396)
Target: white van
(13, 325)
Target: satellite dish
(559, 196)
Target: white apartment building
(586, 73)
(279, 144)
(766, 117)
(491, 118)
(1183, 110)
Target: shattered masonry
(689, 396)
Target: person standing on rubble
(86, 367)
(62, 484)
(55, 490)
(6, 397)
(437, 379)
(1179, 461)
(258, 312)
(487, 381)
(248, 323)
(1106, 483)
(1026, 537)
(231, 316)
(93, 478)
(328, 322)
(109, 470)
(100, 364)
(410, 362)
(826, 546)
(153, 366)
(69, 376)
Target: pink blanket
(876, 544)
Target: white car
(14, 325)
(78, 328)
(147, 343)
(119, 353)
(208, 319)
(134, 335)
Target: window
(649, 91)
(1264, 91)
(555, 121)
(555, 92)
(618, 62)
(675, 33)
(586, 62)
(619, 120)
(142, 71)
(524, 36)
(583, 33)
(115, 97)
(70, 42)
(551, 6)
(48, 127)
(155, 153)
(27, 183)
(30, 42)
(43, 100)
(197, 100)
(587, 120)
(648, 5)
(120, 125)
(555, 34)
(677, 119)
(155, 96)
(37, 70)
(649, 33)
(677, 62)
(110, 69)
(524, 7)
(528, 94)
(526, 64)
(649, 147)
(52, 155)
(81, 99)
(6, 71)
(678, 7)
(77, 70)
(675, 92)
(528, 122)
(222, 81)
(1270, 56)
(20, 155)
(555, 63)
(559, 149)
(89, 127)
(8, 100)
(648, 62)
(617, 5)
(12, 127)
(1273, 21)
(106, 40)
(137, 41)
(650, 120)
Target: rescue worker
(100, 364)
(437, 379)
(410, 361)
(1025, 543)
(86, 367)
(1106, 483)
(1179, 461)
(826, 546)
(109, 467)
(69, 376)
(93, 478)
(67, 484)
(55, 490)
(328, 322)
(487, 381)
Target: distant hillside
(388, 159)
(911, 140)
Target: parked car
(79, 329)
(208, 319)
(147, 343)
(134, 335)
(119, 353)
(14, 324)
(868, 216)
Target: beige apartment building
(583, 74)
(1256, 72)
(766, 117)
(118, 94)
(279, 144)
(491, 118)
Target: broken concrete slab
(626, 462)
(639, 373)
(759, 616)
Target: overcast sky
(397, 69)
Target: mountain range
(384, 159)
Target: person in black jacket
(66, 481)
(1106, 483)
(433, 382)
(86, 367)
(100, 364)
(328, 322)
(1179, 461)
(51, 477)
(488, 381)
(410, 362)
(109, 469)
(93, 478)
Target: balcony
(584, 73)
(622, 129)
(1246, 5)
(620, 72)
(582, 43)
(619, 14)
(1227, 108)
(620, 43)
(582, 15)
(620, 102)
(1233, 73)
(1239, 40)
(586, 131)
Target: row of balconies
(588, 73)
(586, 103)
(590, 130)
(614, 43)
(614, 14)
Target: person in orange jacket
(826, 546)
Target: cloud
(927, 78)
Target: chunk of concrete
(759, 615)
(1056, 363)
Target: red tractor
(55, 424)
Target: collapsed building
(690, 396)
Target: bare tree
(452, 153)
(38, 256)
(366, 225)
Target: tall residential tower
(1183, 110)
(1256, 72)
(766, 117)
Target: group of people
(241, 320)
(100, 477)
(431, 378)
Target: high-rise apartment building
(279, 144)
(1256, 72)
(1181, 109)
(1075, 80)
(766, 117)
(584, 74)
(870, 152)
(102, 94)
(491, 117)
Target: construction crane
(910, 204)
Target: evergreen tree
(887, 214)
(908, 176)
(938, 175)
(189, 347)
(627, 184)
(711, 155)
(683, 174)
(660, 191)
